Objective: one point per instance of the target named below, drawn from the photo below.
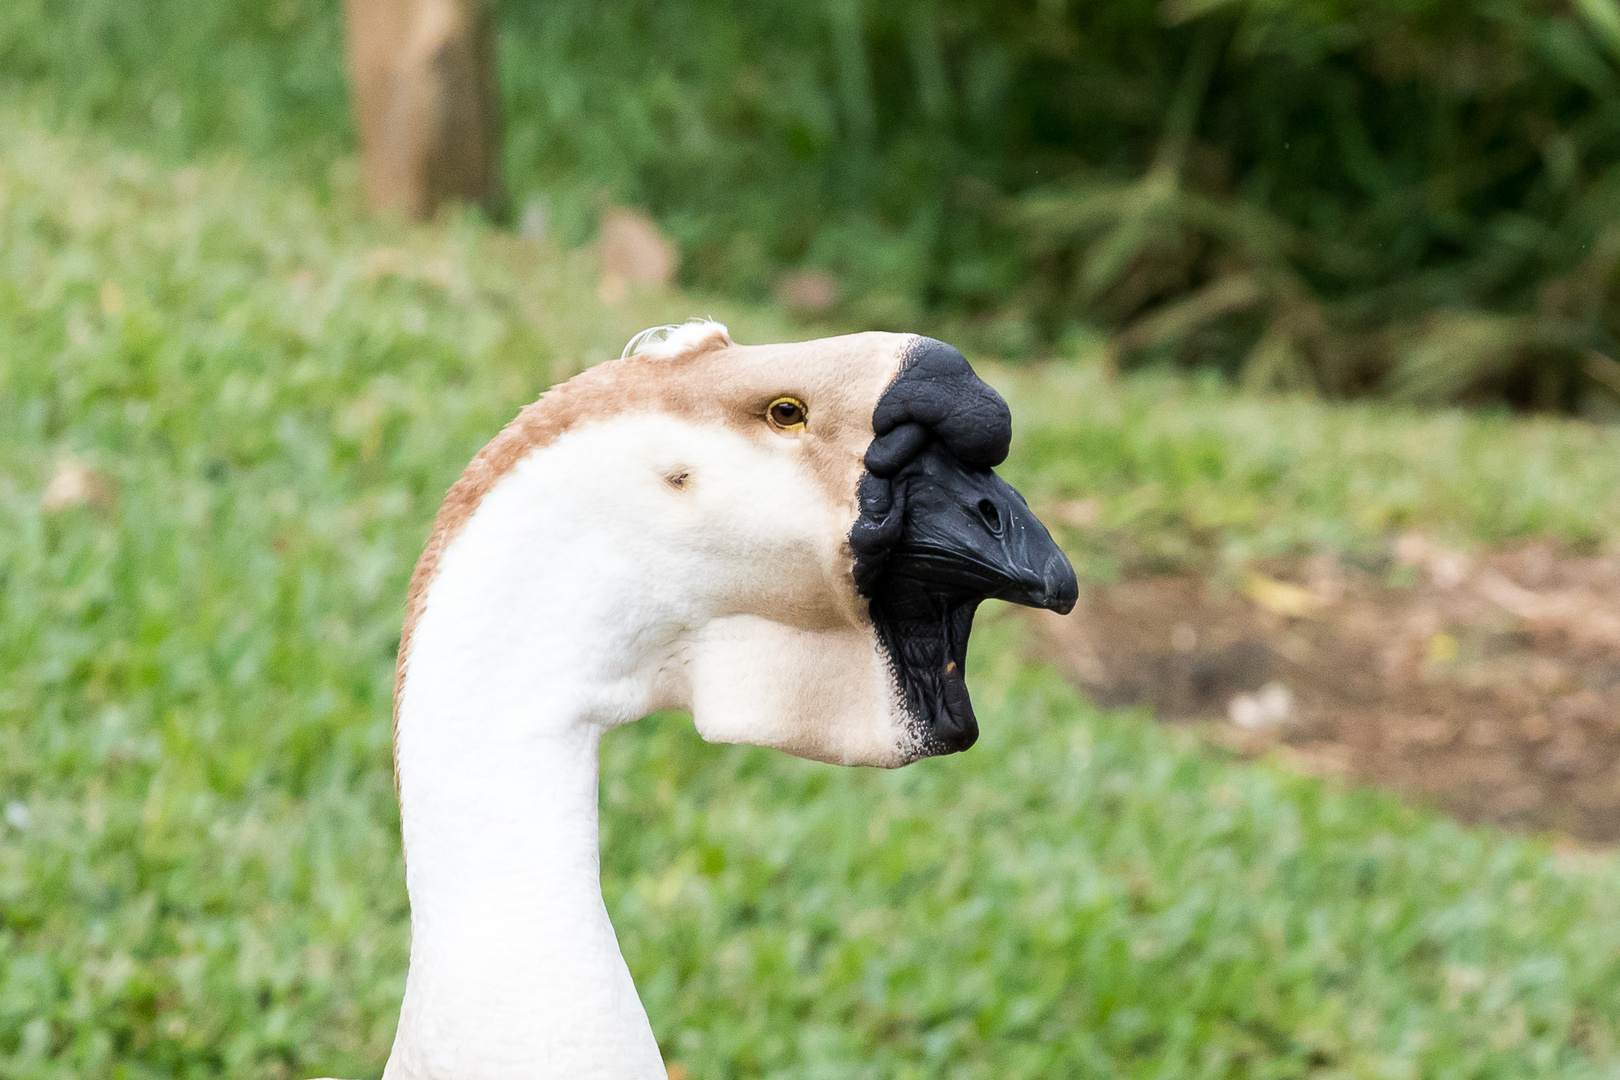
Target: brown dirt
(1488, 685)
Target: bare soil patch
(1489, 685)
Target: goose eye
(786, 414)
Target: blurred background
(1398, 198)
(1308, 317)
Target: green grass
(199, 867)
(1188, 476)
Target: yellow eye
(786, 414)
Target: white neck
(515, 970)
(522, 658)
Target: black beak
(963, 535)
(938, 532)
(970, 533)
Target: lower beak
(969, 531)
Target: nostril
(992, 516)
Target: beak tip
(1054, 588)
(1062, 587)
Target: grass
(1187, 476)
(199, 867)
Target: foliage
(1400, 195)
(199, 871)
(180, 75)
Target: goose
(787, 541)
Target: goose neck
(523, 656)
(515, 969)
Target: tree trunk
(422, 78)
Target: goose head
(791, 539)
